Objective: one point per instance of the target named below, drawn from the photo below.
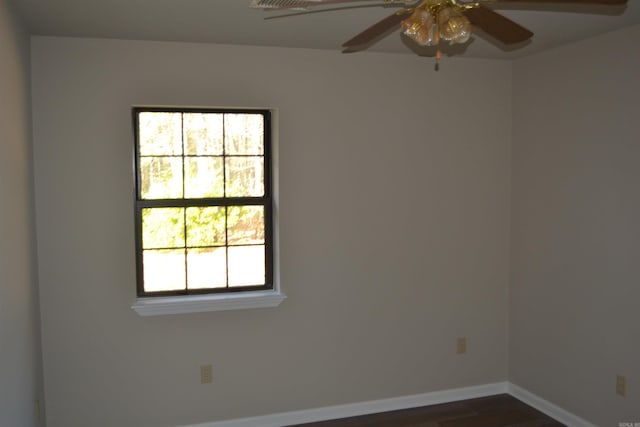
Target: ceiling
(233, 22)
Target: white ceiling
(233, 22)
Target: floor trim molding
(547, 407)
(404, 402)
(362, 408)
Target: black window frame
(266, 201)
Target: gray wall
(394, 204)
(574, 306)
(20, 359)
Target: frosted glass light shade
(421, 27)
(454, 26)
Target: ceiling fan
(427, 22)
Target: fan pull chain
(438, 53)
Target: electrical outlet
(206, 374)
(461, 346)
(621, 385)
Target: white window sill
(203, 303)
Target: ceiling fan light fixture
(427, 25)
(428, 21)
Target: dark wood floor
(501, 410)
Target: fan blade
(303, 4)
(377, 29)
(604, 2)
(498, 26)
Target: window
(203, 201)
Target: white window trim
(155, 306)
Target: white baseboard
(546, 407)
(404, 402)
(362, 408)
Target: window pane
(245, 225)
(162, 228)
(244, 176)
(161, 177)
(160, 134)
(203, 134)
(164, 270)
(244, 134)
(204, 177)
(207, 268)
(206, 226)
(246, 265)
(200, 172)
